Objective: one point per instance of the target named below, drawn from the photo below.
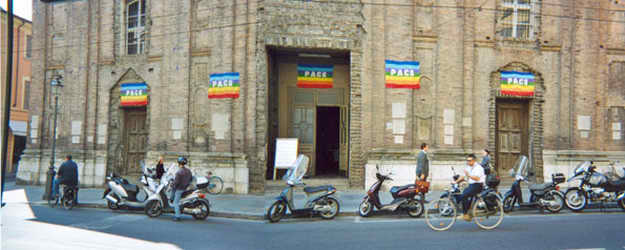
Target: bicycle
(67, 198)
(486, 208)
(215, 184)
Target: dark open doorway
(328, 129)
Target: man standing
(423, 163)
(181, 182)
(476, 178)
(67, 175)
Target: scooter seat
(318, 189)
(400, 188)
(130, 188)
(187, 192)
(538, 187)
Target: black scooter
(404, 197)
(542, 196)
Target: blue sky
(22, 8)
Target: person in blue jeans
(67, 175)
(474, 174)
(181, 182)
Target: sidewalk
(223, 205)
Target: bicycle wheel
(53, 201)
(215, 185)
(68, 201)
(440, 214)
(487, 216)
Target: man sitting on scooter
(181, 182)
(476, 178)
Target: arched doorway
(518, 125)
(128, 124)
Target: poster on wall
(517, 83)
(402, 74)
(224, 85)
(315, 76)
(134, 94)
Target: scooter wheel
(334, 205)
(365, 208)
(415, 208)
(153, 208)
(276, 211)
(203, 205)
(112, 205)
(508, 203)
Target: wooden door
(512, 133)
(135, 140)
(302, 126)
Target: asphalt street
(41, 227)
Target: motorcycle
(319, 199)
(193, 201)
(406, 198)
(595, 186)
(544, 196)
(121, 194)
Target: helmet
(182, 160)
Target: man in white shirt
(476, 178)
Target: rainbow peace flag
(224, 85)
(402, 74)
(314, 76)
(517, 83)
(134, 94)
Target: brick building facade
(573, 49)
(20, 89)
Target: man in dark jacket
(423, 163)
(67, 175)
(181, 182)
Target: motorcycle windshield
(170, 173)
(296, 173)
(581, 167)
(521, 167)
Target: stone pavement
(223, 205)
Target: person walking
(181, 182)
(486, 161)
(423, 163)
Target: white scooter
(121, 194)
(193, 200)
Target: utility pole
(7, 99)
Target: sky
(22, 8)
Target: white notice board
(286, 152)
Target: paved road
(41, 227)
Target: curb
(377, 213)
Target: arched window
(135, 26)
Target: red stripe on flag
(318, 85)
(402, 86)
(228, 95)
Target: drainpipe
(17, 66)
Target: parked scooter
(121, 194)
(543, 196)
(192, 202)
(320, 200)
(404, 198)
(595, 187)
